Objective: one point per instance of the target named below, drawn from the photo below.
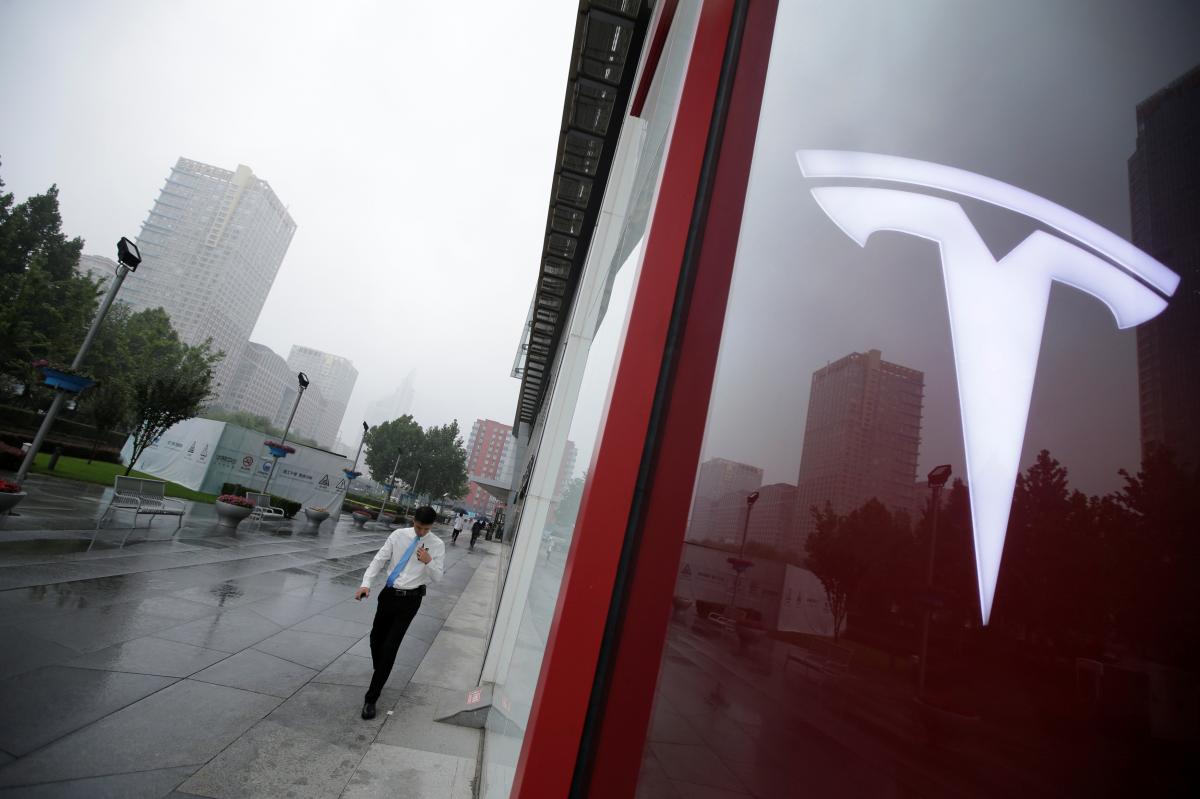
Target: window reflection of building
(861, 438)
(1164, 172)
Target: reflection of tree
(848, 554)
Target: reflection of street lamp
(302, 379)
(741, 564)
(357, 455)
(937, 480)
(129, 257)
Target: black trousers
(393, 613)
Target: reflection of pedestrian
(476, 529)
(413, 559)
(458, 528)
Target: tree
(169, 391)
(567, 509)
(849, 555)
(436, 451)
(45, 306)
(831, 557)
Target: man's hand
(362, 592)
(423, 554)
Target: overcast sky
(413, 143)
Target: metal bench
(263, 509)
(144, 498)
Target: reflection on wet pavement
(149, 658)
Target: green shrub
(288, 507)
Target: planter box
(229, 516)
(8, 501)
(315, 517)
(360, 519)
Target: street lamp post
(937, 480)
(302, 379)
(392, 481)
(742, 564)
(359, 454)
(128, 258)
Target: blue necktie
(403, 561)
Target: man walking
(476, 528)
(458, 528)
(412, 559)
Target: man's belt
(418, 591)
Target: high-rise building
(487, 453)
(98, 268)
(333, 376)
(394, 405)
(566, 469)
(718, 506)
(862, 437)
(262, 385)
(1164, 192)
(211, 247)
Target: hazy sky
(413, 143)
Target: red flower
(7, 487)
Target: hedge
(19, 425)
(289, 508)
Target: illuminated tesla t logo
(997, 308)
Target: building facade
(211, 247)
(262, 385)
(98, 268)
(862, 438)
(1163, 174)
(488, 449)
(333, 377)
(394, 405)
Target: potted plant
(231, 509)
(315, 517)
(279, 450)
(361, 517)
(70, 380)
(10, 495)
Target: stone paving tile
(151, 655)
(331, 625)
(287, 609)
(314, 650)
(308, 747)
(184, 724)
(22, 652)
(138, 785)
(228, 631)
(361, 611)
(452, 661)
(412, 724)
(42, 705)
(97, 628)
(252, 670)
(354, 670)
(397, 772)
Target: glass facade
(919, 284)
(564, 437)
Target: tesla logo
(997, 308)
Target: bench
(726, 624)
(263, 509)
(144, 498)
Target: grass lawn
(103, 473)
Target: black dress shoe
(368, 710)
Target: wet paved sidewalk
(213, 663)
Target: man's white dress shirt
(415, 572)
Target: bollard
(54, 458)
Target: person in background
(476, 529)
(458, 528)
